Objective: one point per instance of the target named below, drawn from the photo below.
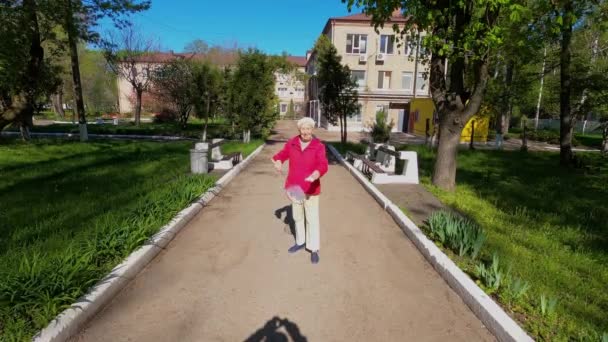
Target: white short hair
(306, 122)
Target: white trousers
(306, 217)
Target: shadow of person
(270, 332)
(288, 220)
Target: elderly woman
(307, 164)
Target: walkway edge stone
(483, 306)
(72, 320)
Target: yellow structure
(421, 116)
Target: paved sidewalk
(227, 275)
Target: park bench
(222, 162)
(361, 163)
(380, 161)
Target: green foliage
(491, 276)
(173, 82)
(290, 110)
(457, 233)
(337, 89)
(547, 306)
(514, 289)
(52, 251)
(381, 129)
(549, 224)
(252, 92)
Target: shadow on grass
(62, 195)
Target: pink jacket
(303, 163)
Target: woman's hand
(313, 177)
(277, 165)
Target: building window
(407, 80)
(387, 43)
(359, 77)
(283, 107)
(384, 79)
(282, 91)
(421, 83)
(356, 43)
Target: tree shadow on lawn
(72, 197)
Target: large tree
(252, 93)
(566, 17)
(79, 18)
(128, 55)
(173, 83)
(206, 91)
(337, 88)
(460, 35)
(26, 74)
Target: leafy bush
(548, 136)
(381, 129)
(514, 289)
(491, 276)
(457, 233)
(166, 115)
(547, 306)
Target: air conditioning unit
(362, 58)
(380, 57)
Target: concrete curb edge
(483, 306)
(71, 321)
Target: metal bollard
(198, 158)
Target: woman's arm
(320, 167)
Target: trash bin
(198, 158)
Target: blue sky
(270, 25)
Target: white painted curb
(101, 136)
(485, 308)
(73, 319)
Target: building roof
(396, 17)
(298, 60)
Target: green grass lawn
(549, 227)
(591, 140)
(71, 211)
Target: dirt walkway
(227, 274)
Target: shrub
(381, 129)
(457, 233)
(166, 115)
(492, 276)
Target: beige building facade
(291, 88)
(389, 75)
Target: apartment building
(389, 76)
(290, 88)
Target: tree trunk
(540, 90)
(604, 147)
(502, 118)
(72, 42)
(25, 132)
(345, 134)
(565, 87)
(206, 121)
(138, 96)
(524, 138)
(25, 113)
(444, 174)
(472, 142)
(57, 101)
